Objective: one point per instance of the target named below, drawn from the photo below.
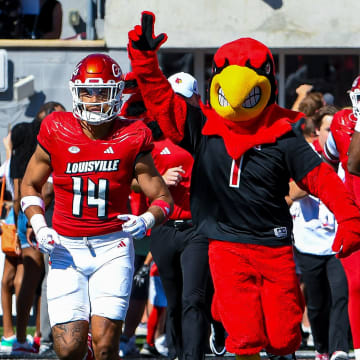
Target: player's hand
(46, 239)
(133, 225)
(143, 37)
(141, 275)
(347, 239)
(172, 176)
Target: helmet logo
(76, 70)
(116, 70)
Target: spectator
(42, 19)
(13, 266)
(155, 339)
(10, 19)
(323, 274)
(23, 137)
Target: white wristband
(357, 125)
(37, 222)
(149, 219)
(27, 201)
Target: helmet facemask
(109, 100)
(355, 100)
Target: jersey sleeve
(331, 152)
(44, 137)
(300, 157)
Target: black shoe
(148, 350)
(217, 339)
(281, 357)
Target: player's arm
(354, 154)
(32, 203)
(154, 188)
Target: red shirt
(91, 178)
(342, 128)
(167, 155)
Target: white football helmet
(100, 75)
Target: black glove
(143, 38)
(141, 275)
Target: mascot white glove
(137, 226)
(46, 237)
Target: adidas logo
(121, 244)
(109, 150)
(165, 151)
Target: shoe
(319, 356)
(47, 349)
(141, 330)
(281, 357)
(217, 340)
(25, 347)
(128, 346)
(161, 345)
(148, 350)
(339, 355)
(7, 344)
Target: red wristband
(164, 206)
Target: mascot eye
(267, 68)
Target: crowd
(30, 19)
(217, 238)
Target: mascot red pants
(260, 291)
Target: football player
(93, 156)
(344, 131)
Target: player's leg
(105, 337)
(70, 339)
(352, 269)
(109, 293)
(68, 300)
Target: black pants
(182, 260)
(327, 301)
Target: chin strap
(324, 183)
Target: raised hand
(143, 37)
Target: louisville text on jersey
(92, 166)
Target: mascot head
(243, 80)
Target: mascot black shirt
(243, 200)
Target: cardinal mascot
(245, 153)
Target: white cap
(184, 84)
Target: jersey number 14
(97, 196)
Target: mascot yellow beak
(239, 93)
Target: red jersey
(167, 155)
(342, 128)
(92, 178)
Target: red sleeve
(147, 144)
(324, 183)
(164, 105)
(44, 137)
